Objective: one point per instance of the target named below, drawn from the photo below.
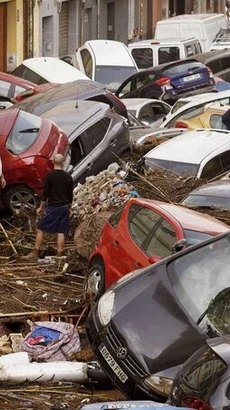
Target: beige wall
(11, 48)
(19, 30)
(36, 29)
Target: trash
(51, 341)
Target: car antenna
(76, 105)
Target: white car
(40, 70)
(204, 153)
(106, 61)
(150, 111)
(186, 105)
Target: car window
(225, 160)
(212, 168)
(30, 75)
(207, 368)
(87, 62)
(113, 76)
(194, 237)
(173, 166)
(162, 241)
(24, 132)
(93, 135)
(141, 222)
(4, 88)
(216, 121)
(115, 218)
(143, 57)
(167, 54)
(225, 62)
(77, 151)
(189, 50)
(18, 90)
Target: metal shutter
(63, 29)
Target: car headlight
(105, 307)
(160, 385)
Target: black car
(168, 81)
(75, 90)
(203, 382)
(154, 319)
(97, 134)
(215, 194)
(218, 61)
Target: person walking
(55, 208)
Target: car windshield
(24, 132)
(177, 167)
(197, 277)
(178, 104)
(113, 76)
(207, 201)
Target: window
(225, 62)
(115, 218)
(212, 168)
(216, 121)
(77, 152)
(143, 57)
(87, 63)
(167, 54)
(4, 88)
(141, 223)
(215, 65)
(24, 132)
(225, 160)
(95, 134)
(34, 77)
(162, 240)
(19, 90)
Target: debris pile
(105, 191)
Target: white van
(222, 40)
(149, 53)
(203, 26)
(106, 61)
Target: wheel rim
(22, 200)
(93, 282)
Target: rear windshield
(177, 167)
(113, 76)
(181, 68)
(24, 132)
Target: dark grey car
(98, 135)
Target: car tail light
(210, 73)
(163, 81)
(181, 124)
(195, 403)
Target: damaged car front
(150, 322)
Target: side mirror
(178, 246)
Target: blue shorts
(55, 219)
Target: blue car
(169, 81)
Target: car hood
(153, 324)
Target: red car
(27, 145)
(142, 233)
(11, 87)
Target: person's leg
(60, 243)
(33, 255)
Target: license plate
(113, 364)
(191, 77)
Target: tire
(95, 282)
(18, 198)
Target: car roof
(190, 17)
(210, 55)
(71, 115)
(109, 50)
(217, 188)
(54, 70)
(155, 41)
(192, 146)
(188, 218)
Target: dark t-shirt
(58, 188)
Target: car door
(140, 239)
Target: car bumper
(130, 384)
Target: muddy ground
(52, 289)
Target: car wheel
(20, 197)
(95, 282)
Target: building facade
(30, 28)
